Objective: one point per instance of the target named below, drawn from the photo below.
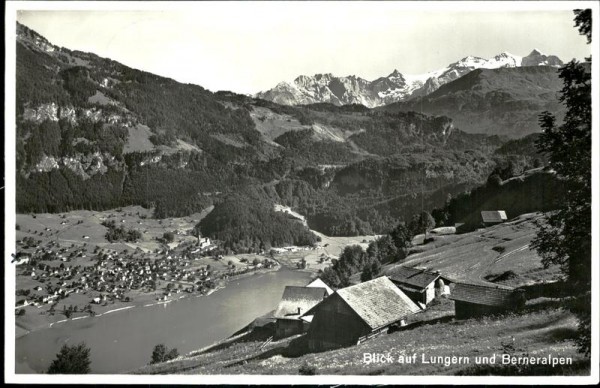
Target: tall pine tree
(565, 237)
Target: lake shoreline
(23, 329)
(122, 340)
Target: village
(58, 278)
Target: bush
(306, 369)
(71, 360)
(161, 354)
(169, 237)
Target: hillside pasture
(138, 139)
(85, 227)
(272, 125)
(486, 254)
(538, 331)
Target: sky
(250, 47)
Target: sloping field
(138, 139)
(485, 254)
(84, 227)
(538, 332)
(272, 125)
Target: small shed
(419, 284)
(295, 302)
(475, 300)
(357, 313)
(318, 283)
(493, 217)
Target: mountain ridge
(92, 133)
(503, 101)
(395, 87)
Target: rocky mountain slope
(95, 134)
(506, 101)
(394, 87)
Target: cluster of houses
(352, 315)
(109, 276)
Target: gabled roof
(378, 302)
(493, 216)
(483, 295)
(320, 284)
(418, 278)
(298, 297)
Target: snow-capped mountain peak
(396, 86)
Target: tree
(565, 236)
(161, 354)
(169, 237)
(71, 360)
(366, 274)
(421, 223)
(158, 353)
(370, 271)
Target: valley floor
(81, 232)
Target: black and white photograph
(336, 192)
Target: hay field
(482, 255)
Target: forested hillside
(503, 101)
(95, 134)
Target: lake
(123, 341)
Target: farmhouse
(294, 303)
(418, 284)
(493, 217)
(474, 300)
(354, 314)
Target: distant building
(295, 302)
(474, 300)
(357, 313)
(21, 260)
(493, 217)
(203, 242)
(419, 285)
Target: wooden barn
(418, 284)
(295, 302)
(493, 217)
(474, 300)
(354, 314)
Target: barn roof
(320, 284)
(481, 294)
(493, 216)
(378, 302)
(298, 297)
(418, 278)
